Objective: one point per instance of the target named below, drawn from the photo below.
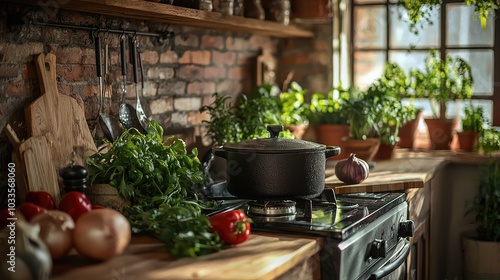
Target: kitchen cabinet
(157, 12)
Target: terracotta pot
(364, 149)
(407, 132)
(481, 259)
(297, 130)
(441, 132)
(332, 135)
(467, 140)
(384, 152)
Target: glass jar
(206, 5)
(226, 7)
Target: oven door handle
(387, 269)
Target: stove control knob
(406, 229)
(378, 249)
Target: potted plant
(443, 80)
(327, 117)
(388, 92)
(472, 126)
(363, 116)
(482, 249)
(292, 109)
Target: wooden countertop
(263, 256)
(408, 170)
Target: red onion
(352, 170)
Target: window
(376, 32)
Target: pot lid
(274, 144)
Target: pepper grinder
(74, 177)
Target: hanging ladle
(143, 119)
(127, 113)
(110, 126)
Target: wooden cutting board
(21, 181)
(41, 174)
(59, 117)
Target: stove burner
(278, 208)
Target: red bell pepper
(232, 226)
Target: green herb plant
(329, 108)
(490, 141)
(486, 204)
(474, 119)
(156, 178)
(443, 80)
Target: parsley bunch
(157, 178)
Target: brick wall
(180, 77)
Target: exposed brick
(150, 89)
(209, 41)
(236, 73)
(172, 88)
(236, 43)
(13, 53)
(229, 87)
(321, 58)
(201, 57)
(150, 57)
(262, 42)
(58, 35)
(20, 89)
(190, 72)
(296, 60)
(207, 100)
(169, 57)
(179, 118)
(322, 45)
(246, 58)
(77, 73)
(196, 118)
(227, 58)
(28, 71)
(160, 73)
(215, 73)
(187, 103)
(201, 88)
(187, 40)
(9, 71)
(160, 106)
(186, 58)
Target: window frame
(495, 97)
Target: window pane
(409, 60)
(400, 35)
(370, 29)
(368, 1)
(368, 66)
(464, 28)
(481, 63)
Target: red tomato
(75, 204)
(29, 210)
(94, 207)
(40, 198)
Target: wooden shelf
(152, 11)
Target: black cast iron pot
(275, 168)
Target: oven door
(394, 268)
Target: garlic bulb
(352, 170)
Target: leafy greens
(156, 178)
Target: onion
(101, 234)
(56, 231)
(352, 170)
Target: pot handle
(220, 152)
(332, 151)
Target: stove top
(337, 217)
